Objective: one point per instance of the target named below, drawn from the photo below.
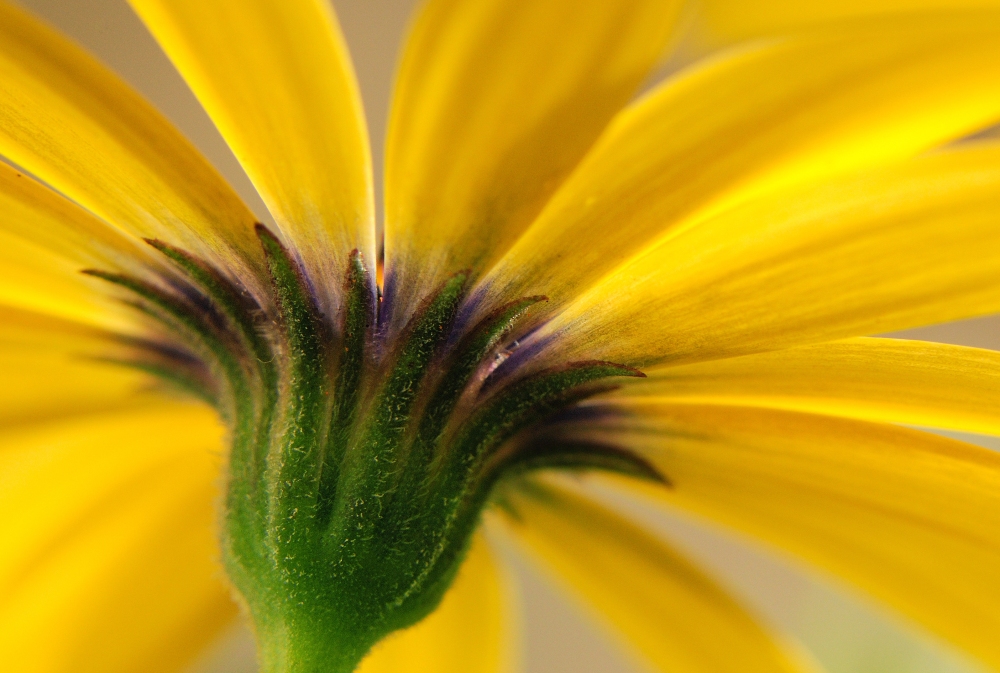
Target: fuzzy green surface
(359, 468)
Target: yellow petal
(51, 368)
(39, 383)
(909, 517)
(45, 240)
(35, 279)
(889, 380)
(723, 21)
(915, 244)
(495, 102)
(108, 543)
(74, 124)
(276, 79)
(675, 615)
(28, 328)
(750, 122)
(39, 215)
(467, 633)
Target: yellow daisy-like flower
(665, 292)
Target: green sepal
(294, 463)
(461, 480)
(470, 354)
(357, 323)
(237, 305)
(187, 317)
(576, 455)
(372, 470)
(527, 401)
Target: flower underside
(359, 465)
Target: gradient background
(842, 629)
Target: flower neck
(358, 468)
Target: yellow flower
(666, 293)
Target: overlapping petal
(35, 213)
(34, 279)
(74, 124)
(724, 21)
(914, 244)
(886, 380)
(470, 632)
(277, 80)
(45, 240)
(108, 543)
(751, 122)
(909, 517)
(678, 618)
(53, 368)
(495, 102)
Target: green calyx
(359, 467)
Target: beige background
(843, 631)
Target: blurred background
(842, 630)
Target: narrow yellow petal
(35, 279)
(675, 615)
(74, 124)
(495, 102)
(108, 543)
(468, 633)
(751, 122)
(39, 215)
(277, 80)
(52, 368)
(38, 383)
(911, 245)
(724, 21)
(888, 380)
(909, 517)
(45, 241)
(28, 328)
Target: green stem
(302, 646)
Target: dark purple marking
(589, 413)
(526, 348)
(468, 310)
